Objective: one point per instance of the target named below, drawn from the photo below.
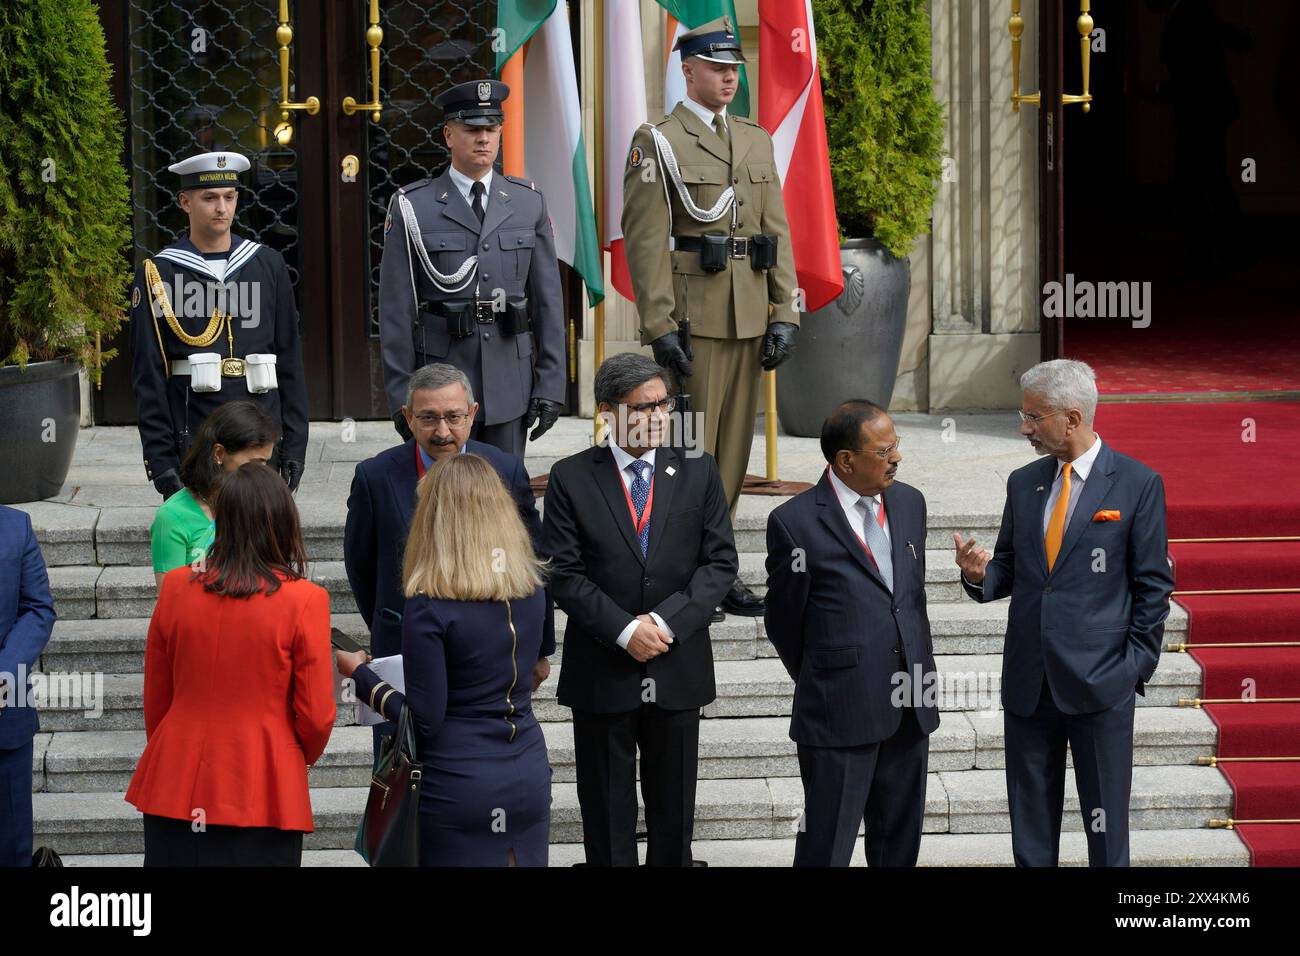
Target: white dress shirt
(854, 510)
(1079, 471)
(625, 472)
(464, 184)
(705, 114)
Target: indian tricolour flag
(555, 157)
(684, 15)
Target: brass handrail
(284, 37)
(374, 37)
(1016, 27)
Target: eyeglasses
(667, 405)
(884, 453)
(453, 419)
(1035, 419)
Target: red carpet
(1201, 339)
(1218, 486)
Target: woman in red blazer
(238, 690)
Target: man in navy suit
(846, 612)
(439, 410)
(1084, 555)
(26, 620)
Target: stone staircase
(749, 797)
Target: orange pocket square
(1106, 516)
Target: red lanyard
(419, 464)
(631, 508)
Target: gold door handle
(374, 37)
(1016, 27)
(284, 36)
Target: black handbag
(44, 856)
(391, 826)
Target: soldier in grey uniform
(469, 277)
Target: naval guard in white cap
(213, 319)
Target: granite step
(116, 645)
(112, 526)
(749, 688)
(972, 801)
(1147, 848)
(120, 591)
(730, 748)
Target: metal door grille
(427, 48)
(204, 75)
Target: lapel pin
(443, 196)
(671, 471)
(1039, 488)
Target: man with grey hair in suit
(1083, 553)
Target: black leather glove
(670, 355)
(544, 413)
(778, 343)
(168, 483)
(403, 429)
(291, 472)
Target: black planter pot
(40, 414)
(849, 348)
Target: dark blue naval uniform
(264, 320)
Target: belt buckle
(484, 308)
(232, 368)
(739, 247)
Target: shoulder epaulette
(522, 182)
(411, 187)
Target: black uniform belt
(460, 315)
(483, 310)
(738, 246)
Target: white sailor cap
(210, 170)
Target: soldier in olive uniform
(213, 320)
(708, 249)
(469, 277)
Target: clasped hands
(649, 640)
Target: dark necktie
(478, 189)
(720, 127)
(640, 492)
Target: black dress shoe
(741, 600)
(717, 617)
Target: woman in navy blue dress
(471, 631)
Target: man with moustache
(641, 552)
(1083, 552)
(439, 410)
(846, 613)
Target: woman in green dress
(182, 530)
